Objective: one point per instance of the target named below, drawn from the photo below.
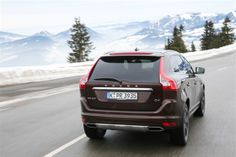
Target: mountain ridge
(46, 48)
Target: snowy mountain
(155, 34)
(6, 37)
(65, 35)
(46, 48)
(38, 49)
(27, 51)
(116, 31)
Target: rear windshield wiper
(108, 79)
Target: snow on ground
(5, 57)
(200, 55)
(18, 75)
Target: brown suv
(141, 91)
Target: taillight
(167, 82)
(84, 79)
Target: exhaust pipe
(155, 129)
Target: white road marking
(58, 150)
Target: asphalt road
(14, 91)
(38, 127)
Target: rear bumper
(126, 127)
(129, 122)
(161, 119)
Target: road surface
(50, 125)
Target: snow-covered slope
(17, 75)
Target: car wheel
(179, 136)
(94, 133)
(201, 109)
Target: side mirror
(199, 70)
(176, 69)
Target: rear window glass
(128, 68)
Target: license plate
(122, 95)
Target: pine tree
(177, 42)
(193, 48)
(80, 43)
(208, 35)
(226, 36)
(181, 29)
(167, 46)
(216, 41)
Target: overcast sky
(30, 16)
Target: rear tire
(94, 133)
(201, 109)
(179, 136)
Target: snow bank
(201, 55)
(17, 75)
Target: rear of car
(142, 91)
(129, 91)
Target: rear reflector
(169, 124)
(83, 119)
(167, 82)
